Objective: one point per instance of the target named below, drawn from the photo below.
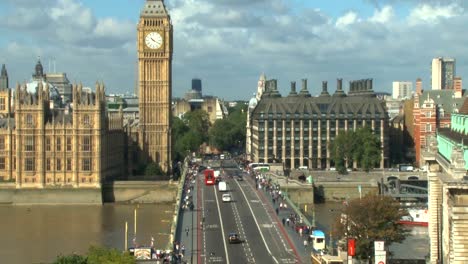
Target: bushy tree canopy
(361, 146)
(372, 218)
(97, 255)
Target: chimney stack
(418, 86)
(293, 87)
(339, 84)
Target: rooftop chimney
(304, 92)
(324, 89)
(293, 89)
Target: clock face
(154, 40)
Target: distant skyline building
(443, 72)
(3, 78)
(197, 85)
(402, 90)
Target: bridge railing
(175, 220)
(294, 207)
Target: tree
(229, 133)
(153, 169)
(100, 255)
(97, 255)
(370, 219)
(71, 259)
(342, 150)
(367, 149)
(361, 146)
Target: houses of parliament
(49, 140)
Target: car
(240, 178)
(234, 238)
(226, 197)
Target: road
(249, 215)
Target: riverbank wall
(113, 192)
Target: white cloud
(383, 15)
(347, 19)
(229, 43)
(426, 13)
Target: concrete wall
(49, 196)
(341, 191)
(119, 192)
(140, 192)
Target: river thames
(37, 234)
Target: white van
(222, 186)
(221, 156)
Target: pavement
(187, 228)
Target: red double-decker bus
(209, 177)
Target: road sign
(380, 257)
(379, 245)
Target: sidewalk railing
(295, 208)
(175, 220)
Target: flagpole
(135, 223)
(126, 235)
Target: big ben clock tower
(155, 83)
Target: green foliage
(100, 255)
(229, 133)
(360, 145)
(71, 259)
(153, 169)
(97, 255)
(189, 133)
(369, 219)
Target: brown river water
(37, 234)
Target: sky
(230, 43)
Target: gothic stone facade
(154, 43)
(43, 147)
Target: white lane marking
(222, 227)
(241, 231)
(258, 227)
(271, 220)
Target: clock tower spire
(154, 44)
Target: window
(58, 144)
(69, 144)
(86, 164)
(69, 164)
(2, 143)
(48, 144)
(29, 119)
(2, 104)
(86, 143)
(14, 163)
(29, 143)
(48, 164)
(210, 109)
(86, 120)
(2, 163)
(29, 164)
(428, 127)
(58, 165)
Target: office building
(297, 129)
(443, 72)
(402, 90)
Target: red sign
(351, 247)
